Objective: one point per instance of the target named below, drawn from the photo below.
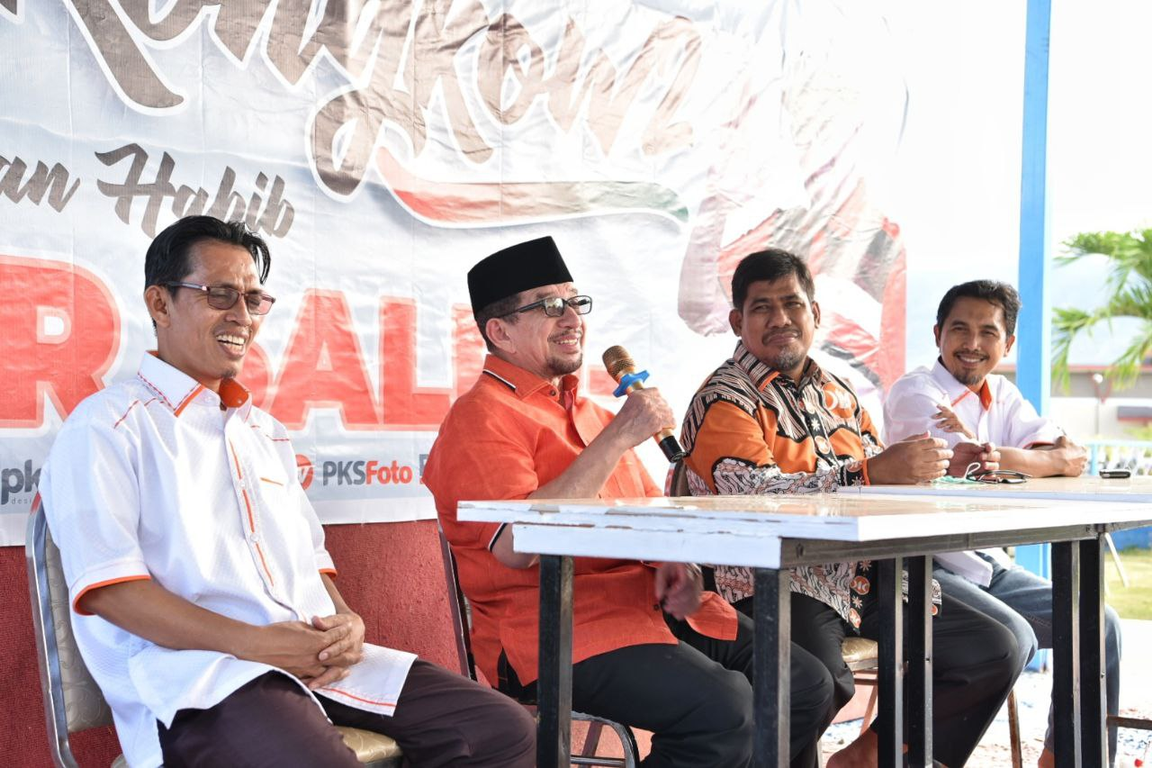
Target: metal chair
(461, 623)
(72, 699)
(862, 656)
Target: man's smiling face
(973, 340)
(549, 347)
(777, 324)
(208, 344)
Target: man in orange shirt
(648, 648)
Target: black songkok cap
(517, 268)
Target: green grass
(1135, 600)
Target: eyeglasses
(554, 306)
(225, 297)
(1007, 476)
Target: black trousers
(442, 719)
(695, 697)
(975, 661)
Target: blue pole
(1033, 328)
(1033, 331)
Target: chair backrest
(72, 699)
(676, 484)
(458, 605)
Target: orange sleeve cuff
(330, 571)
(76, 603)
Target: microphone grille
(618, 362)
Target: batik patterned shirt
(750, 430)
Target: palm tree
(1129, 286)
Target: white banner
(383, 148)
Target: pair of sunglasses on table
(1009, 476)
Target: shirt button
(254, 538)
(552, 392)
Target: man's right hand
(917, 459)
(643, 414)
(964, 455)
(295, 647)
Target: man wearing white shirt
(203, 600)
(986, 420)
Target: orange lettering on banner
(257, 375)
(324, 367)
(60, 334)
(468, 347)
(405, 405)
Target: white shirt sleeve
(909, 408)
(1022, 426)
(91, 500)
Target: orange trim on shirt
(235, 460)
(189, 398)
(232, 393)
(98, 585)
(130, 407)
(264, 563)
(359, 698)
(985, 395)
(329, 571)
(248, 506)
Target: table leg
(554, 689)
(1066, 652)
(1093, 708)
(890, 720)
(919, 661)
(772, 668)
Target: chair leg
(1014, 731)
(592, 738)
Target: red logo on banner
(304, 470)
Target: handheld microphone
(623, 370)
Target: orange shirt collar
(177, 389)
(522, 382)
(958, 391)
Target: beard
(967, 378)
(562, 366)
(786, 360)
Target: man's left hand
(350, 649)
(678, 588)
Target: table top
(748, 530)
(1084, 488)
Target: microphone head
(618, 362)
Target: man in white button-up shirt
(202, 596)
(985, 419)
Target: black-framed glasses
(1008, 476)
(554, 306)
(225, 297)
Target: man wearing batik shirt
(770, 420)
(961, 401)
(203, 600)
(649, 649)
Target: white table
(1078, 623)
(773, 534)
